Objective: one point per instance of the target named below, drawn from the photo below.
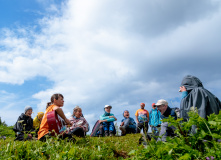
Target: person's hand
(182, 88)
(122, 123)
(100, 121)
(111, 116)
(67, 121)
(150, 126)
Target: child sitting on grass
(37, 122)
(79, 125)
(107, 119)
(24, 125)
(128, 125)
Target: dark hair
(48, 104)
(56, 96)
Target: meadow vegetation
(204, 144)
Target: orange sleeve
(136, 114)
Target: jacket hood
(191, 82)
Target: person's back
(194, 94)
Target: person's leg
(111, 128)
(139, 127)
(106, 128)
(79, 132)
(145, 127)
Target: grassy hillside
(204, 144)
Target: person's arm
(60, 112)
(147, 116)
(110, 118)
(136, 115)
(137, 119)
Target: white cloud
(113, 52)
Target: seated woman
(79, 125)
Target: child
(128, 125)
(24, 125)
(155, 119)
(107, 119)
(79, 125)
(37, 122)
(142, 118)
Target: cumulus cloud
(115, 52)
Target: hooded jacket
(199, 97)
(24, 123)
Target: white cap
(161, 102)
(107, 106)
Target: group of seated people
(77, 124)
(193, 94)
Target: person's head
(162, 105)
(107, 108)
(154, 106)
(28, 111)
(77, 112)
(142, 105)
(40, 115)
(126, 114)
(48, 104)
(191, 82)
(57, 99)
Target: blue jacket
(154, 119)
(132, 122)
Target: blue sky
(112, 52)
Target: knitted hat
(40, 115)
(28, 108)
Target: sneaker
(123, 130)
(111, 134)
(106, 134)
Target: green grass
(82, 148)
(205, 143)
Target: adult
(166, 111)
(79, 125)
(142, 118)
(57, 101)
(194, 94)
(154, 119)
(128, 125)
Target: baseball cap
(107, 106)
(161, 102)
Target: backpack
(98, 130)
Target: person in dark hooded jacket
(24, 125)
(194, 94)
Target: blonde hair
(76, 109)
